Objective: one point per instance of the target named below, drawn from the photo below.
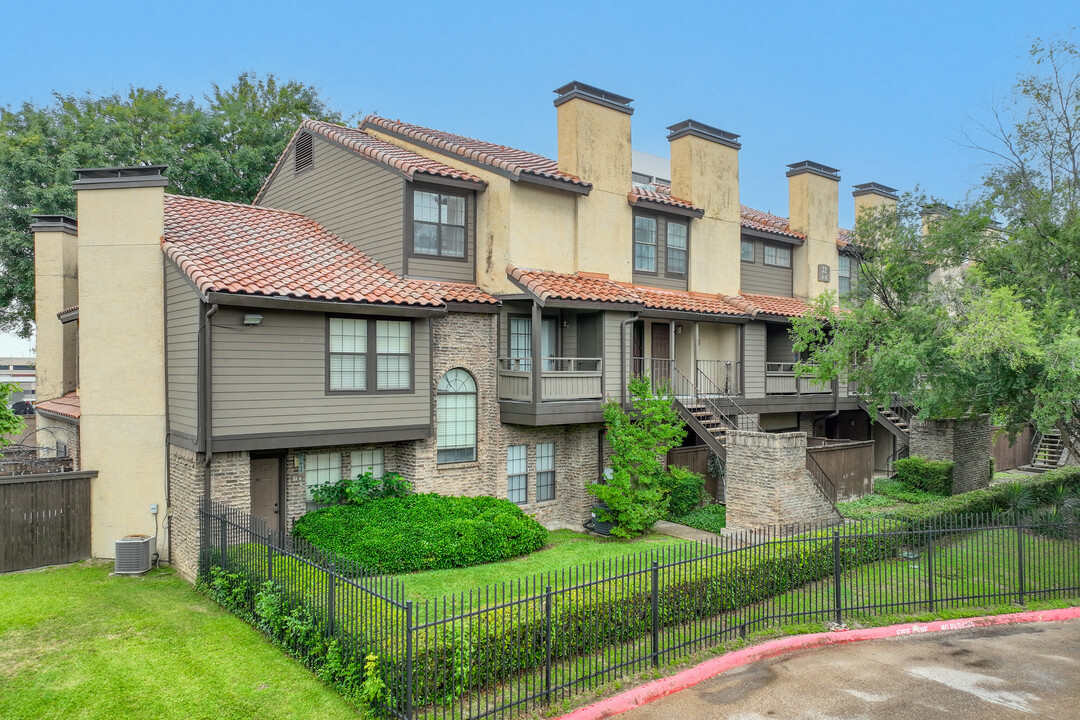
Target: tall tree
(222, 148)
(1003, 335)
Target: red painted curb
(710, 668)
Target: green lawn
(565, 550)
(76, 643)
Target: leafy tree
(1002, 336)
(10, 423)
(636, 492)
(222, 148)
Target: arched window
(456, 417)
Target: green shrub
(898, 490)
(361, 488)
(684, 489)
(423, 532)
(711, 518)
(934, 476)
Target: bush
(423, 532)
(361, 488)
(934, 476)
(898, 490)
(684, 490)
(711, 518)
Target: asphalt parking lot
(1009, 671)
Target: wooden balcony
(780, 380)
(570, 390)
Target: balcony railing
(560, 379)
(721, 374)
(780, 380)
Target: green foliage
(710, 518)
(683, 489)
(222, 148)
(423, 532)
(10, 423)
(361, 488)
(932, 476)
(639, 441)
(899, 490)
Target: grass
(76, 643)
(887, 495)
(711, 518)
(565, 549)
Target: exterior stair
(1048, 452)
(708, 424)
(895, 419)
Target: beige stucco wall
(122, 360)
(870, 201)
(56, 287)
(706, 173)
(814, 209)
(717, 341)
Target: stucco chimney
(56, 288)
(594, 145)
(122, 347)
(705, 172)
(872, 195)
(814, 211)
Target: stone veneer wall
(230, 483)
(965, 443)
(768, 484)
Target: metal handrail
(719, 391)
(706, 401)
(824, 482)
(710, 368)
(899, 454)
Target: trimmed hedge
(934, 476)
(423, 532)
(684, 489)
(711, 518)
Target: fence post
(270, 556)
(836, 574)
(408, 660)
(655, 613)
(547, 644)
(224, 541)
(330, 588)
(930, 567)
(1020, 558)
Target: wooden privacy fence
(696, 459)
(1010, 455)
(44, 519)
(849, 465)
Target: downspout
(207, 385)
(836, 406)
(622, 355)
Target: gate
(44, 519)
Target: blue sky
(883, 91)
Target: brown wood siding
(272, 379)
(1011, 455)
(434, 268)
(182, 351)
(43, 521)
(850, 467)
(613, 353)
(661, 279)
(356, 198)
(761, 279)
(754, 360)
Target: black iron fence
(510, 648)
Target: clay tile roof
(517, 162)
(68, 406)
(772, 305)
(658, 196)
(561, 286)
(766, 222)
(67, 310)
(459, 292)
(657, 299)
(846, 238)
(233, 248)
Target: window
(303, 153)
(843, 274)
(748, 250)
(319, 469)
(676, 248)
(517, 474)
(354, 368)
(779, 256)
(456, 417)
(368, 461)
(521, 342)
(545, 471)
(438, 224)
(644, 244)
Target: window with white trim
(843, 274)
(348, 354)
(778, 256)
(545, 471)
(644, 244)
(676, 247)
(438, 223)
(319, 469)
(517, 474)
(354, 368)
(455, 416)
(372, 461)
(747, 250)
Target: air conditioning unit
(134, 554)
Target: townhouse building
(458, 311)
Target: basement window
(304, 153)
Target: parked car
(23, 408)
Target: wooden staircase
(1048, 452)
(896, 419)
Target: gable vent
(304, 155)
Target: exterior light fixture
(252, 319)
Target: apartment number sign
(823, 273)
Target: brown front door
(661, 353)
(266, 490)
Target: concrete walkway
(686, 533)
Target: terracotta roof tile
(501, 157)
(657, 299)
(67, 405)
(67, 310)
(766, 222)
(773, 305)
(847, 237)
(459, 292)
(233, 248)
(644, 194)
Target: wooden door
(661, 353)
(266, 490)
